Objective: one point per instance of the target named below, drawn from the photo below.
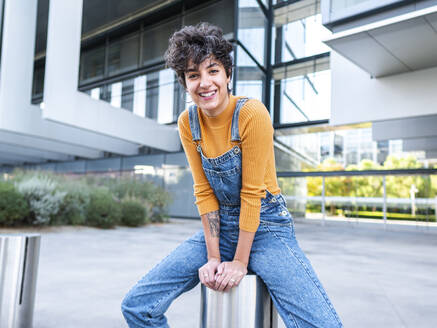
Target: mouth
(207, 95)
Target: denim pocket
(277, 220)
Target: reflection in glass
(95, 93)
(306, 97)
(219, 13)
(303, 38)
(342, 147)
(251, 27)
(123, 54)
(344, 4)
(38, 80)
(92, 64)
(140, 85)
(127, 94)
(116, 95)
(155, 41)
(166, 96)
(250, 79)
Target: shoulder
(183, 117)
(254, 110)
(184, 123)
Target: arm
(206, 202)
(257, 148)
(211, 229)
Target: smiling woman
(207, 83)
(228, 141)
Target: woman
(228, 142)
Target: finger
(224, 283)
(221, 268)
(230, 285)
(211, 278)
(201, 277)
(218, 280)
(206, 276)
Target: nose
(205, 81)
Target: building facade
(84, 88)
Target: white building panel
(65, 104)
(356, 97)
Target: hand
(229, 274)
(207, 272)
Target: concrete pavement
(374, 277)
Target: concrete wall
(356, 97)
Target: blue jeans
(275, 257)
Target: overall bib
(275, 255)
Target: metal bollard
(246, 306)
(19, 255)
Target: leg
(146, 303)
(295, 289)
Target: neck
(217, 111)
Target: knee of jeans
(126, 305)
(135, 307)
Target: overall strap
(235, 134)
(194, 122)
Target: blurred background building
(84, 88)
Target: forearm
(245, 240)
(211, 229)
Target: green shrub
(127, 187)
(42, 194)
(133, 213)
(13, 207)
(158, 202)
(73, 209)
(103, 210)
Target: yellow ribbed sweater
(258, 160)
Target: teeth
(207, 94)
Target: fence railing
(384, 202)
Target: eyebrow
(194, 69)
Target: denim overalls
(275, 255)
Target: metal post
(19, 256)
(248, 305)
(323, 201)
(385, 201)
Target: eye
(213, 71)
(192, 76)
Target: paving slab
(375, 277)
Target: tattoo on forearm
(214, 223)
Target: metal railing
(384, 201)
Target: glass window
(251, 26)
(155, 41)
(92, 64)
(123, 54)
(121, 94)
(95, 93)
(166, 96)
(152, 95)
(220, 13)
(115, 94)
(250, 79)
(306, 97)
(38, 80)
(140, 85)
(97, 13)
(303, 38)
(343, 4)
(127, 94)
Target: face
(207, 85)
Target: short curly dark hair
(197, 43)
